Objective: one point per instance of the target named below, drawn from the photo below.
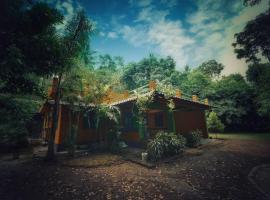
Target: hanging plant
(143, 102)
(171, 104)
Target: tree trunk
(51, 149)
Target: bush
(164, 145)
(214, 124)
(193, 138)
(115, 144)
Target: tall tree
(150, 68)
(196, 83)
(28, 35)
(232, 100)
(75, 41)
(254, 40)
(211, 68)
(30, 47)
(259, 76)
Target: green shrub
(115, 144)
(164, 145)
(193, 138)
(214, 124)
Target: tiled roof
(130, 99)
(67, 103)
(152, 92)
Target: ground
(242, 136)
(218, 170)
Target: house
(187, 114)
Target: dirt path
(219, 172)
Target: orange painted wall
(131, 136)
(186, 121)
(84, 136)
(151, 128)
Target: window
(89, 121)
(159, 120)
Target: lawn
(241, 136)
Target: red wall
(186, 121)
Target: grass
(241, 136)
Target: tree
(196, 83)
(106, 62)
(28, 35)
(232, 98)
(30, 49)
(211, 68)
(254, 40)
(214, 124)
(259, 76)
(151, 68)
(74, 42)
(73, 93)
(251, 2)
(15, 113)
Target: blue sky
(190, 31)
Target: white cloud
(140, 3)
(171, 40)
(102, 34)
(150, 14)
(214, 32)
(169, 3)
(210, 33)
(168, 37)
(67, 8)
(112, 35)
(134, 35)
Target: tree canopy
(254, 40)
(259, 76)
(28, 34)
(150, 68)
(211, 68)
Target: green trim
(171, 121)
(142, 129)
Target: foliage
(114, 141)
(230, 97)
(167, 89)
(74, 45)
(143, 102)
(211, 68)
(164, 145)
(259, 76)
(31, 45)
(193, 138)
(106, 62)
(15, 114)
(253, 41)
(196, 83)
(213, 123)
(251, 2)
(105, 112)
(139, 74)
